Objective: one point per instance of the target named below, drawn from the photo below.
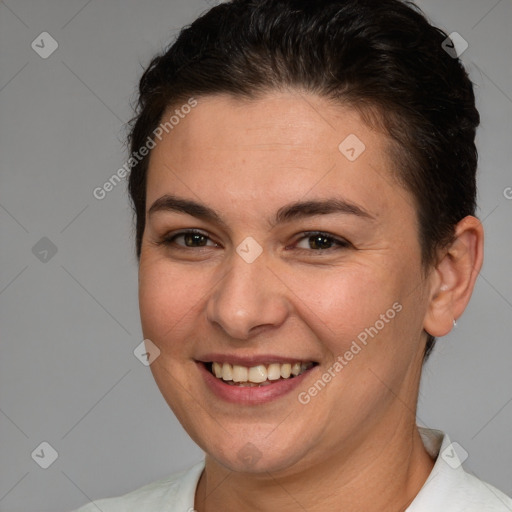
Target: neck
(384, 476)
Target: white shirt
(447, 489)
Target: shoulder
(480, 495)
(449, 487)
(167, 494)
(470, 494)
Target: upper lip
(251, 360)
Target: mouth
(257, 376)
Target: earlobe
(453, 279)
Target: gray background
(69, 325)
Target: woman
(303, 180)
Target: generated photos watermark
(304, 397)
(137, 156)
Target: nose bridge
(247, 297)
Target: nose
(248, 299)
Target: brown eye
(318, 241)
(191, 239)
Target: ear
(453, 279)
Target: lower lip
(254, 395)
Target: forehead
(280, 147)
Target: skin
(246, 159)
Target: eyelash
(342, 243)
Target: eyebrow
(293, 211)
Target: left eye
(319, 241)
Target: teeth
(227, 372)
(217, 370)
(240, 373)
(286, 370)
(257, 375)
(295, 369)
(274, 371)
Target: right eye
(192, 238)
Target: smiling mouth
(257, 376)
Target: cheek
(361, 314)
(339, 303)
(168, 297)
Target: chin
(245, 456)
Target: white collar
(449, 487)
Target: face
(304, 250)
